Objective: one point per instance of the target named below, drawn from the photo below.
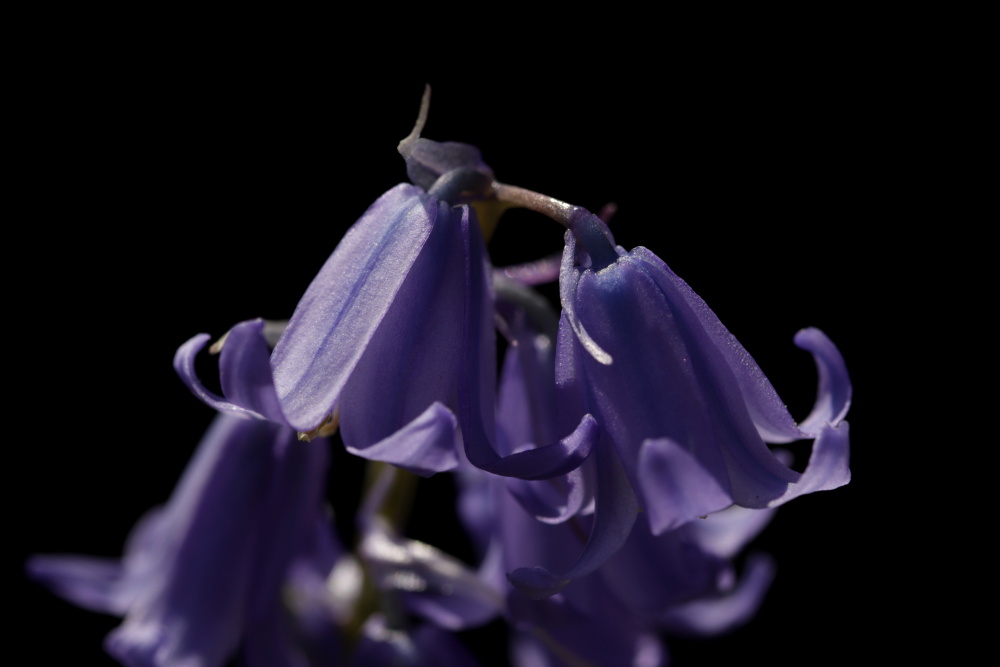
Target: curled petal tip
(828, 467)
(833, 399)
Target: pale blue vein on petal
(346, 302)
(411, 360)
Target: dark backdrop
(178, 190)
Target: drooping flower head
(373, 344)
(203, 573)
(682, 580)
(683, 408)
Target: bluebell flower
(684, 411)
(374, 345)
(681, 581)
(373, 342)
(203, 574)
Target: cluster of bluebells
(608, 478)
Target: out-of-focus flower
(679, 583)
(416, 576)
(684, 408)
(418, 593)
(426, 646)
(203, 574)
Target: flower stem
(559, 211)
(588, 229)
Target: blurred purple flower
(203, 574)
(426, 646)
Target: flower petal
(652, 573)
(410, 362)
(214, 558)
(245, 371)
(300, 628)
(712, 616)
(424, 446)
(828, 467)
(725, 533)
(528, 409)
(675, 487)
(195, 605)
(833, 399)
(184, 366)
(569, 278)
(669, 380)
(768, 411)
(92, 583)
(616, 512)
(554, 501)
(346, 302)
(477, 382)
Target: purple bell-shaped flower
(374, 343)
(683, 409)
(682, 580)
(202, 575)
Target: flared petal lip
(185, 368)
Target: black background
(180, 187)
